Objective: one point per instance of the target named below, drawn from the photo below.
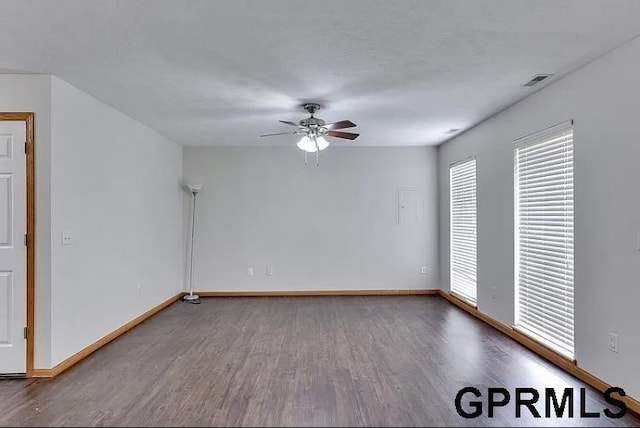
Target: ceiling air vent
(537, 79)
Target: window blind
(463, 230)
(544, 237)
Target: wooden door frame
(28, 119)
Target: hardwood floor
(295, 361)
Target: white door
(13, 253)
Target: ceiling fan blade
(339, 134)
(278, 133)
(340, 125)
(287, 122)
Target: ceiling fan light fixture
(308, 145)
(322, 143)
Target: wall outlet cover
(613, 342)
(66, 237)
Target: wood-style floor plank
(294, 361)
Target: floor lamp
(192, 298)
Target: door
(13, 253)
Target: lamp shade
(306, 144)
(309, 145)
(194, 188)
(322, 143)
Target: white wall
(603, 99)
(332, 227)
(32, 93)
(115, 185)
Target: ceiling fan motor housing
(311, 122)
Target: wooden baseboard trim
(308, 293)
(41, 373)
(79, 356)
(564, 363)
(460, 299)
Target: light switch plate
(66, 237)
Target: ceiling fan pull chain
(305, 159)
(317, 153)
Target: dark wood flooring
(300, 361)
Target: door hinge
(26, 148)
(26, 241)
(25, 332)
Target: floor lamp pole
(192, 298)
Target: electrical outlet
(250, 271)
(493, 292)
(139, 289)
(66, 237)
(269, 271)
(424, 270)
(613, 342)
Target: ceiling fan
(313, 131)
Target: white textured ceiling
(223, 72)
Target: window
(544, 237)
(463, 229)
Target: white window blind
(544, 237)
(463, 229)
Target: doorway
(17, 239)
